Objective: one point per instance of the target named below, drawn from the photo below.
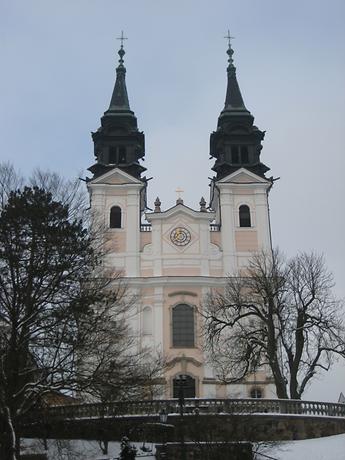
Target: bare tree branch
(281, 314)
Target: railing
(145, 228)
(195, 406)
(148, 228)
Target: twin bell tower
(172, 258)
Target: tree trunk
(294, 393)
(278, 380)
(9, 445)
(296, 361)
(280, 388)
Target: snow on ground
(60, 449)
(328, 448)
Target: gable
(116, 177)
(180, 211)
(243, 176)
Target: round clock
(180, 236)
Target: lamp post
(181, 381)
(163, 417)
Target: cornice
(153, 281)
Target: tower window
(183, 326)
(115, 217)
(117, 154)
(239, 154)
(244, 154)
(235, 154)
(122, 154)
(112, 155)
(244, 214)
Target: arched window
(122, 154)
(244, 154)
(235, 154)
(244, 213)
(184, 387)
(256, 392)
(183, 326)
(147, 321)
(115, 217)
(112, 155)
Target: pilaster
(227, 228)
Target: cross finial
(121, 51)
(122, 38)
(229, 37)
(179, 191)
(230, 51)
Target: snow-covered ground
(329, 448)
(83, 450)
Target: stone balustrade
(194, 406)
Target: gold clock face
(180, 236)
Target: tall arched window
(183, 326)
(147, 321)
(115, 217)
(244, 213)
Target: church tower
(239, 191)
(117, 190)
(173, 259)
(118, 143)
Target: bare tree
(281, 314)
(63, 319)
(69, 192)
(9, 180)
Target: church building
(171, 258)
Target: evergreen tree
(63, 324)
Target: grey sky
(58, 63)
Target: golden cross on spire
(229, 37)
(122, 38)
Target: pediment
(116, 177)
(243, 176)
(180, 210)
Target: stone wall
(204, 451)
(195, 428)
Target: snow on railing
(193, 406)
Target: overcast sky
(58, 62)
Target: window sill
(194, 347)
(114, 230)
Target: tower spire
(119, 100)
(118, 143)
(237, 141)
(233, 99)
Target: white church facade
(171, 258)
